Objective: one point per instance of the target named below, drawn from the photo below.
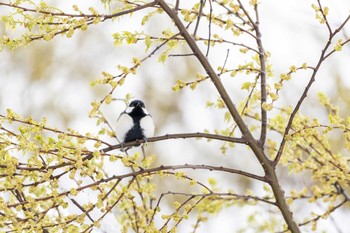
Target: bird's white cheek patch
(147, 125)
(124, 124)
(129, 109)
(145, 111)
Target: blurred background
(51, 79)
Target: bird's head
(137, 103)
(137, 107)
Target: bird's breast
(147, 126)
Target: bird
(134, 123)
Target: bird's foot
(122, 147)
(144, 140)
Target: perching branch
(179, 136)
(129, 144)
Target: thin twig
(202, 4)
(209, 27)
(223, 66)
(325, 18)
(82, 209)
(221, 196)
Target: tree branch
(262, 60)
(134, 143)
(152, 171)
(179, 136)
(325, 18)
(216, 81)
(322, 58)
(209, 27)
(63, 14)
(224, 196)
(202, 3)
(252, 143)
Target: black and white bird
(135, 123)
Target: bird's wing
(147, 125)
(124, 124)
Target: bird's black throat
(136, 132)
(137, 113)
